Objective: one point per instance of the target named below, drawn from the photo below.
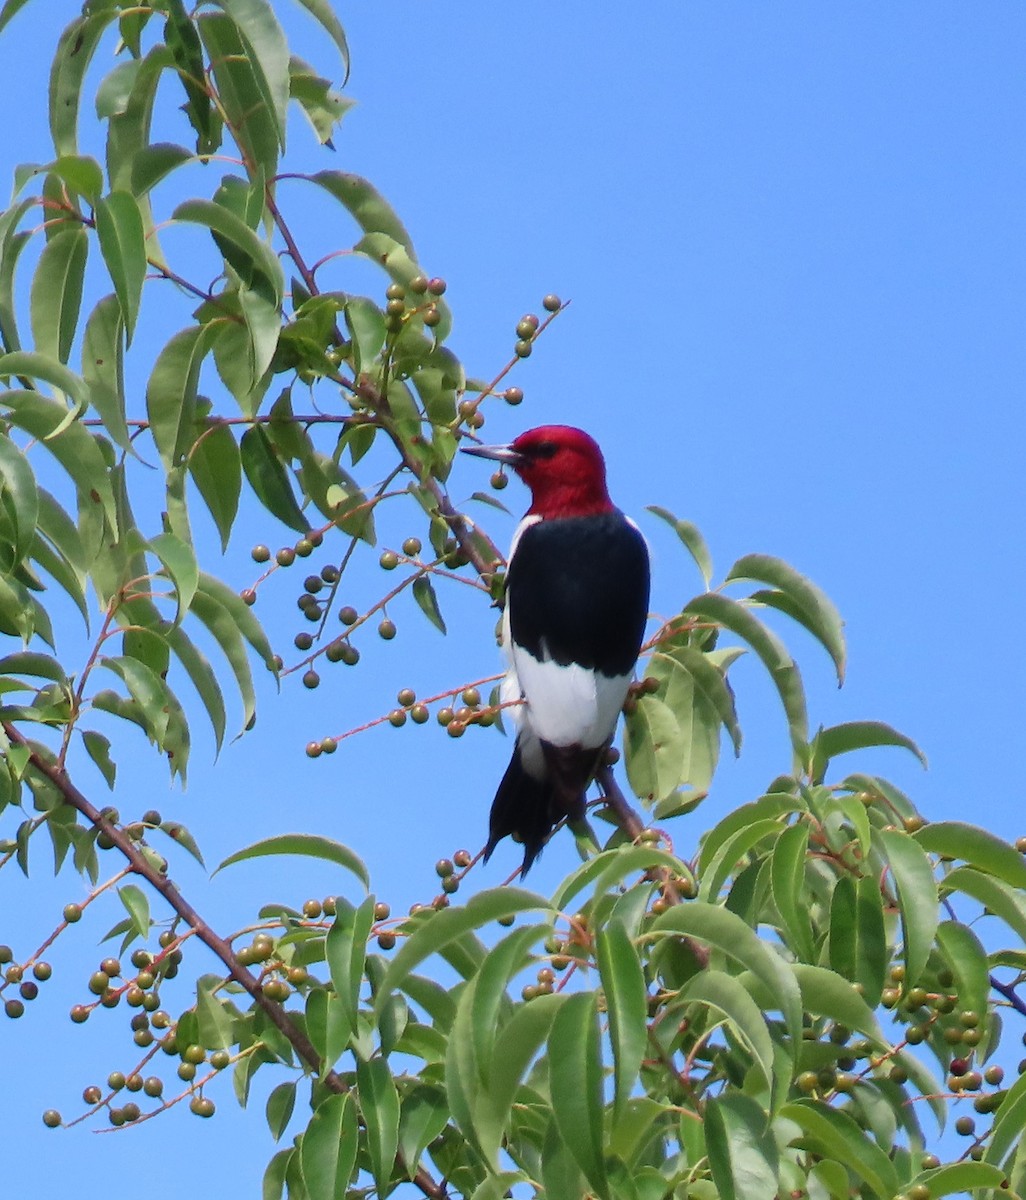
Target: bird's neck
(570, 498)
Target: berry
(552, 303)
(194, 1053)
(303, 641)
(444, 716)
(328, 745)
(395, 308)
(499, 480)
(111, 967)
(313, 583)
(523, 348)
(350, 655)
(513, 395)
(330, 573)
(386, 940)
(285, 557)
(397, 718)
(348, 615)
(462, 858)
(419, 714)
(248, 596)
(418, 285)
(386, 630)
(186, 1072)
(305, 547)
(311, 679)
(455, 728)
(412, 547)
(526, 327)
(14, 1009)
(395, 291)
(99, 981)
(51, 1118)
(72, 913)
(313, 749)
(6, 954)
(388, 561)
(220, 1059)
(444, 868)
(261, 554)
(436, 286)
(79, 1014)
(406, 697)
(471, 696)
(153, 1086)
(432, 317)
(115, 1081)
(150, 817)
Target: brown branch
(139, 865)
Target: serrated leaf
(306, 844)
(135, 901)
(424, 594)
(329, 1147)
(692, 539)
(56, 293)
(812, 607)
(575, 1081)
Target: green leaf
(742, 1150)
(729, 996)
(323, 12)
(811, 606)
(366, 205)
(323, 104)
(216, 467)
(214, 1018)
(692, 539)
(267, 52)
(442, 928)
(82, 173)
(98, 748)
(855, 735)
(119, 227)
(731, 936)
(11, 7)
(346, 951)
(74, 53)
(366, 324)
(983, 850)
(153, 163)
(235, 75)
(610, 867)
(280, 1105)
(858, 939)
(180, 566)
(960, 1178)
(836, 1135)
(329, 1147)
(56, 293)
(171, 393)
(968, 961)
(787, 879)
(39, 366)
(184, 44)
(138, 906)
(623, 983)
(327, 1027)
(19, 496)
(307, 844)
(1005, 902)
(575, 1082)
(379, 1105)
(917, 897)
(424, 594)
(490, 1001)
(654, 746)
(425, 1114)
(782, 668)
(252, 257)
(829, 994)
(102, 368)
(269, 480)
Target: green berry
(412, 547)
(397, 718)
(305, 546)
(388, 561)
(552, 303)
(523, 348)
(14, 1009)
(418, 285)
(72, 913)
(328, 745)
(419, 714)
(395, 291)
(51, 1118)
(261, 554)
(285, 557)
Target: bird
(576, 606)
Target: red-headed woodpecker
(576, 604)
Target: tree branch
(160, 882)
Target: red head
(561, 465)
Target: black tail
(528, 808)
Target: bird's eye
(545, 450)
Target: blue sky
(795, 241)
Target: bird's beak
(502, 454)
